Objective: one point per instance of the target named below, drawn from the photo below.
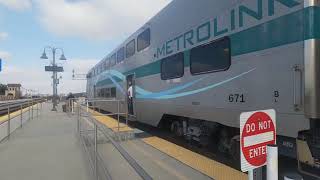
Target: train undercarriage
(227, 140)
(308, 149)
(204, 133)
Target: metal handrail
(15, 106)
(19, 105)
(98, 126)
(87, 101)
(15, 102)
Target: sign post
(257, 130)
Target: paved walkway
(44, 149)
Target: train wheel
(176, 128)
(235, 148)
(224, 141)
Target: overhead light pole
(54, 69)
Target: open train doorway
(130, 94)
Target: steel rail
(16, 106)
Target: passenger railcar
(196, 65)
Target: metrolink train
(197, 65)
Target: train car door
(130, 94)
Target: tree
(3, 89)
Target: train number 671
(236, 98)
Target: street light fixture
(44, 55)
(55, 70)
(63, 58)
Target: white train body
(211, 60)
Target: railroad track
(14, 105)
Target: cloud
(3, 36)
(39, 80)
(19, 5)
(96, 19)
(5, 55)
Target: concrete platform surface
(46, 148)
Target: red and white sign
(257, 130)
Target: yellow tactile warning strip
(201, 163)
(110, 122)
(15, 114)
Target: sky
(87, 30)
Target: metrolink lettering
(218, 27)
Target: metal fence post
(32, 109)
(8, 122)
(127, 113)
(37, 109)
(79, 113)
(72, 106)
(272, 162)
(21, 115)
(95, 151)
(29, 110)
(118, 116)
(87, 106)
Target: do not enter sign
(257, 130)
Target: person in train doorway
(130, 98)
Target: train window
(106, 64)
(113, 92)
(89, 75)
(120, 55)
(102, 93)
(143, 40)
(107, 94)
(211, 57)
(130, 48)
(172, 67)
(101, 68)
(113, 60)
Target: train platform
(49, 146)
(46, 147)
(159, 158)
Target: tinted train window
(113, 92)
(143, 40)
(130, 48)
(107, 64)
(113, 60)
(120, 55)
(211, 57)
(101, 68)
(172, 67)
(107, 93)
(89, 75)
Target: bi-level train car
(197, 65)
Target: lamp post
(55, 69)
